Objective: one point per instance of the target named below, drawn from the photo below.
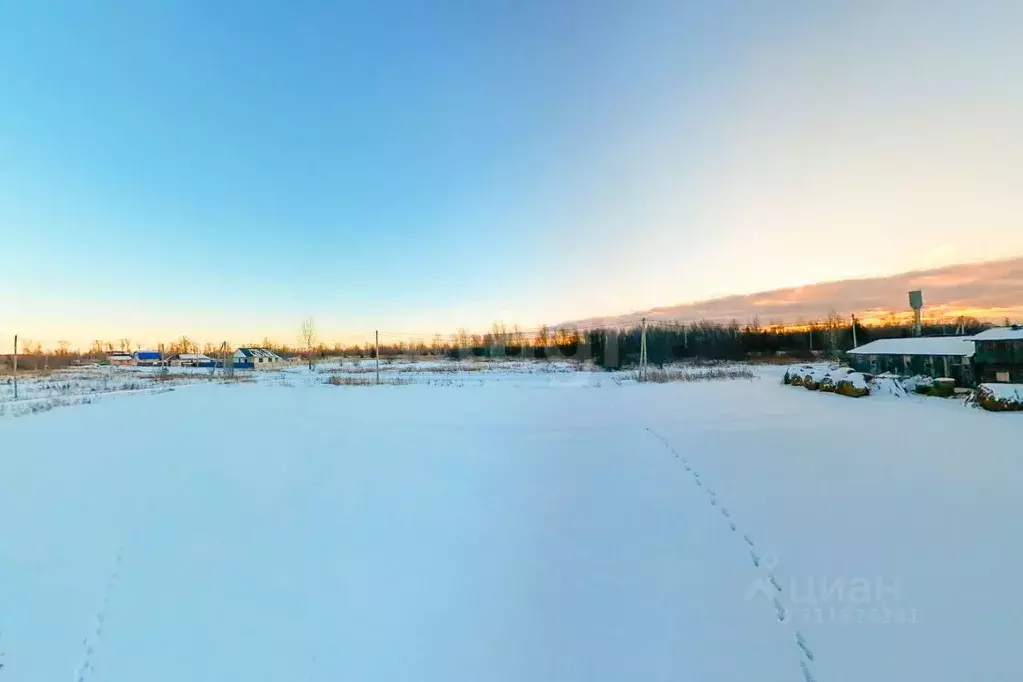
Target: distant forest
(614, 347)
(667, 342)
(611, 347)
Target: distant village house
(191, 360)
(256, 358)
(146, 358)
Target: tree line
(611, 346)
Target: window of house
(1002, 376)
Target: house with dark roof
(256, 358)
(999, 356)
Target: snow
(933, 345)
(888, 384)
(917, 381)
(857, 379)
(520, 525)
(1001, 334)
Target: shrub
(943, 388)
(853, 386)
(664, 375)
(1000, 398)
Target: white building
(259, 358)
(191, 360)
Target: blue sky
(223, 170)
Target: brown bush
(989, 401)
(846, 388)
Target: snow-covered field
(512, 523)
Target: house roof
(147, 354)
(1014, 333)
(927, 345)
(192, 356)
(257, 353)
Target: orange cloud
(990, 291)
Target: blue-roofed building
(147, 357)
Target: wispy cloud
(990, 290)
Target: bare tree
(63, 348)
(832, 325)
(307, 333)
(543, 337)
(184, 345)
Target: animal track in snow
(780, 611)
(765, 565)
(801, 643)
(89, 644)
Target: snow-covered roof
(1014, 333)
(925, 345)
(258, 353)
(192, 356)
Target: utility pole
(642, 352)
(854, 331)
(228, 360)
(15, 366)
(376, 335)
(685, 336)
(810, 334)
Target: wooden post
(15, 366)
(376, 335)
(854, 330)
(642, 352)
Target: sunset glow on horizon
(420, 170)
